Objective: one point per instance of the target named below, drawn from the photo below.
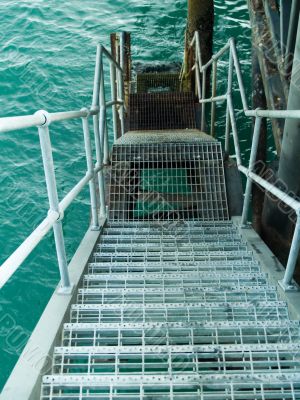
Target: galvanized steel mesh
(168, 181)
(150, 111)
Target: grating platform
(168, 181)
(204, 325)
(158, 82)
(159, 111)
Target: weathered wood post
(200, 18)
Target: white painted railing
(43, 120)
(234, 66)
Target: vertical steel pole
(253, 155)
(120, 79)
(229, 93)
(213, 94)
(203, 98)
(47, 156)
(96, 123)
(286, 283)
(90, 170)
(103, 121)
(114, 98)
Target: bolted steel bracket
(65, 291)
(290, 287)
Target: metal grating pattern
(168, 181)
(158, 83)
(159, 111)
(179, 334)
(178, 312)
(101, 389)
(175, 310)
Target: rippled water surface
(47, 61)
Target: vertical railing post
(46, 149)
(103, 121)
(96, 123)
(253, 155)
(90, 170)
(121, 97)
(286, 283)
(229, 93)
(198, 64)
(114, 97)
(203, 98)
(213, 94)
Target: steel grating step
(136, 334)
(187, 315)
(171, 257)
(142, 296)
(170, 247)
(167, 229)
(183, 268)
(173, 281)
(173, 360)
(170, 240)
(222, 281)
(256, 386)
(179, 312)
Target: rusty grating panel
(168, 181)
(159, 111)
(158, 82)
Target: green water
(47, 61)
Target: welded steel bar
(103, 116)
(203, 102)
(213, 95)
(121, 96)
(253, 154)
(234, 131)
(214, 99)
(11, 265)
(269, 187)
(90, 170)
(293, 257)
(113, 87)
(217, 56)
(48, 163)
(96, 123)
(229, 93)
(239, 74)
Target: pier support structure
(200, 18)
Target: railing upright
(96, 123)
(90, 170)
(103, 115)
(203, 97)
(213, 95)
(253, 155)
(229, 93)
(48, 163)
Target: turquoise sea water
(47, 61)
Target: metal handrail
(42, 120)
(258, 114)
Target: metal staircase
(167, 296)
(180, 313)
(173, 304)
